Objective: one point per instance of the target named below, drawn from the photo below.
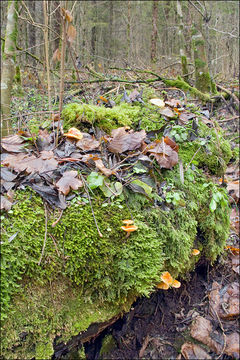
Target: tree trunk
(154, 31)
(203, 80)
(94, 34)
(32, 31)
(8, 67)
(129, 32)
(182, 42)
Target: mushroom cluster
(168, 281)
(129, 227)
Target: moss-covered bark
(7, 73)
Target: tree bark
(154, 31)
(8, 67)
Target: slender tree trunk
(8, 68)
(181, 42)
(94, 34)
(46, 44)
(32, 31)
(154, 31)
(63, 50)
(129, 31)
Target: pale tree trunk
(154, 32)
(181, 42)
(203, 81)
(8, 67)
(129, 32)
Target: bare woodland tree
(8, 66)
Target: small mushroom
(129, 229)
(74, 133)
(128, 222)
(195, 252)
(163, 286)
(167, 278)
(176, 284)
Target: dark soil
(156, 327)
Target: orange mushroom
(195, 252)
(128, 222)
(176, 284)
(74, 133)
(163, 286)
(129, 229)
(167, 278)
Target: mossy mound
(79, 278)
(84, 278)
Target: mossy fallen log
(86, 280)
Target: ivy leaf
(213, 205)
(95, 180)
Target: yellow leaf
(56, 55)
(71, 33)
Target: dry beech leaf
(5, 203)
(12, 143)
(56, 55)
(67, 15)
(201, 330)
(99, 164)
(69, 181)
(174, 103)
(158, 102)
(71, 33)
(30, 163)
(232, 345)
(125, 141)
(165, 152)
(167, 112)
(87, 144)
(192, 351)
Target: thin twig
(58, 219)
(53, 239)
(45, 235)
(224, 335)
(90, 202)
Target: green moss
(181, 84)
(108, 344)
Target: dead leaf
(174, 103)
(5, 203)
(99, 164)
(56, 55)
(13, 143)
(125, 141)
(158, 102)
(71, 33)
(192, 351)
(233, 190)
(165, 155)
(67, 15)
(69, 181)
(88, 144)
(167, 112)
(201, 330)
(224, 301)
(44, 140)
(30, 163)
(184, 117)
(232, 345)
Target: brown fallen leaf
(13, 143)
(167, 112)
(232, 345)
(192, 351)
(125, 141)
(174, 103)
(69, 181)
(233, 190)
(164, 153)
(44, 140)
(30, 163)
(201, 330)
(88, 144)
(5, 204)
(107, 172)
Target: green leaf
(95, 180)
(213, 205)
(146, 188)
(139, 169)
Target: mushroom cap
(74, 134)
(163, 286)
(167, 278)
(130, 228)
(127, 222)
(176, 284)
(158, 102)
(195, 252)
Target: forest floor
(198, 320)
